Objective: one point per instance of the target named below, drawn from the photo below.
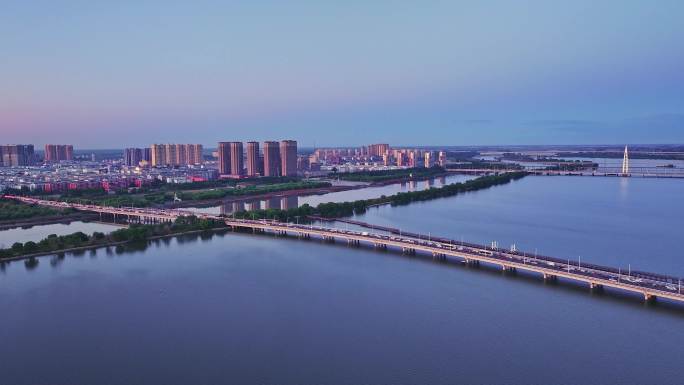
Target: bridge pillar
(549, 277)
(649, 297)
(595, 286)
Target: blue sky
(114, 74)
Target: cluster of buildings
(377, 155)
(416, 158)
(94, 175)
(52, 179)
(164, 155)
(59, 170)
(58, 153)
(275, 159)
(17, 155)
(24, 155)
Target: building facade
(378, 149)
(133, 156)
(253, 158)
(224, 158)
(442, 159)
(271, 159)
(175, 154)
(288, 157)
(16, 155)
(236, 156)
(58, 152)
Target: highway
(650, 285)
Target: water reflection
(293, 201)
(31, 263)
(624, 189)
(39, 232)
(56, 260)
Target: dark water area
(238, 308)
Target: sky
(112, 74)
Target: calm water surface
(253, 309)
(637, 165)
(39, 232)
(609, 220)
(287, 202)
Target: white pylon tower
(625, 163)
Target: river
(39, 232)
(259, 309)
(292, 201)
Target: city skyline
(438, 73)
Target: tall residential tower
(253, 158)
(288, 157)
(271, 159)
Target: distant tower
(625, 163)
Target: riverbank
(49, 220)
(242, 198)
(80, 241)
(17, 214)
(108, 244)
(344, 209)
(303, 192)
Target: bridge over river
(649, 285)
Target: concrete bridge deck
(650, 285)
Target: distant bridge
(650, 285)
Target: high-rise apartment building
(224, 158)
(158, 155)
(194, 153)
(271, 159)
(378, 149)
(58, 152)
(429, 159)
(175, 154)
(442, 159)
(170, 155)
(133, 156)
(13, 155)
(236, 155)
(253, 158)
(400, 159)
(288, 157)
(147, 155)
